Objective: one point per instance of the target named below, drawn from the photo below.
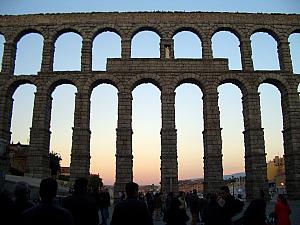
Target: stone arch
(101, 30)
(136, 41)
(163, 74)
(142, 28)
(189, 119)
(232, 90)
(234, 30)
(60, 33)
(24, 32)
(8, 90)
(13, 84)
(189, 31)
(294, 40)
(59, 80)
(66, 29)
(30, 43)
(242, 83)
(188, 28)
(146, 78)
(293, 31)
(276, 80)
(275, 54)
(115, 39)
(90, 84)
(234, 41)
(269, 30)
(190, 79)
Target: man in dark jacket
(82, 206)
(231, 206)
(131, 211)
(47, 213)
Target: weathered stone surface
(166, 73)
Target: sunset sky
(146, 120)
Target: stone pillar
(48, 56)
(246, 54)
(169, 165)
(255, 157)
(167, 49)
(291, 137)
(80, 154)
(6, 106)
(207, 48)
(86, 55)
(9, 56)
(38, 155)
(213, 169)
(284, 56)
(126, 48)
(124, 158)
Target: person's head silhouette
(81, 186)
(48, 189)
(22, 190)
(132, 190)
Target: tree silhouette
(54, 163)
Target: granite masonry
(166, 73)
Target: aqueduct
(166, 73)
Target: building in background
(276, 174)
(17, 158)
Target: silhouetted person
(6, 208)
(82, 206)
(194, 207)
(282, 211)
(255, 213)
(157, 205)
(22, 202)
(229, 204)
(213, 213)
(47, 213)
(175, 215)
(131, 211)
(168, 201)
(150, 202)
(104, 200)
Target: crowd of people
(86, 204)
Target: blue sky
(146, 118)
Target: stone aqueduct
(166, 73)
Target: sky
(147, 117)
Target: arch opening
(294, 40)
(230, 50)
(145, 44)
(105, 45)
(233, 149)
(62, 121)
(67, 55)
(22, 113)
(264, 51)
(187, 45)
(103, 123)
(2, 41)
(29, 54)
(189, 125)
(146, 124)
(272, 122)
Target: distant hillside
(241, 174)
(235, 175)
